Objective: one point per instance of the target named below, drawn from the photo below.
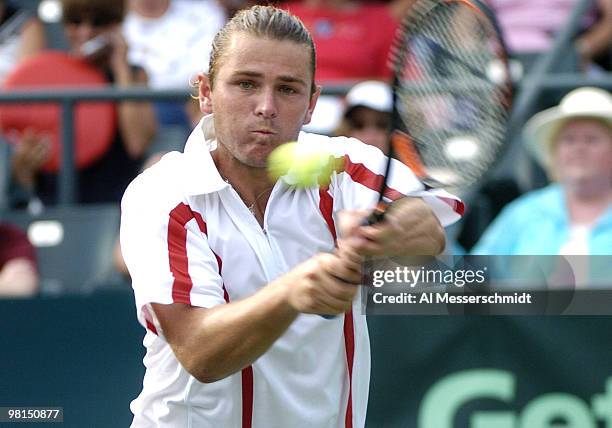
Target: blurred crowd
(163, 44)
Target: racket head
(452, 92)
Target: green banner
(491, 372)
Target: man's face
(370, 126)
(261, 96)
(81, 29)
(583, 151)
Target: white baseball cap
(587, 102)
(372, 94)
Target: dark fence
(85, 354)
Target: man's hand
(409, 228)
(325, 283)
(31, 152)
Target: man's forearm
(214, 343)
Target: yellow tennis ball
(302, 164)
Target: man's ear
(311, 106)
(205, 93)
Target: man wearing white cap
(573, 215)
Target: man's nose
(266, 104)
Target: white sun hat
(587, 102)
(372, 94)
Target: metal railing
(539, 80)
(68, 98)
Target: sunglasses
(93, 21)
(381, 125)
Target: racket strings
(449, 95)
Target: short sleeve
(364, 168)
(167, 253)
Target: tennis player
(230, 269)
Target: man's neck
(586, 205)
(252, 184)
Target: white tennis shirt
(187, 237)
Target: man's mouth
(264, 131)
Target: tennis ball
(303, 164)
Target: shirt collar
(201, 174)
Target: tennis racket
(451, 95)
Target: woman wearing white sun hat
(572, 215)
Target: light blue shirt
(537, 224)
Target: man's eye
(245, 85)
(287, 90)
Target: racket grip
(375, 216)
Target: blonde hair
(262, 21)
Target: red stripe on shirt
(457, 206)
(177, 250)
(151, 327)
(149, 320)
(359, 173)
(220, 264)
(247, 397)
(177, 253)
(326, 205)
(349, 344)
(362, 175)
(204, 230)
(201, 224)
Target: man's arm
(18, 278)
(596, 39)
(217, 342)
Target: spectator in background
(93, 32)
(352, 37)
(573, 141)
(530, 26)
(21, 35)
(161, 35)
(233, 6)
(18, 272)
(368, 113)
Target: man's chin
(255, 161)
(587, 183)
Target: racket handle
(376, 216)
